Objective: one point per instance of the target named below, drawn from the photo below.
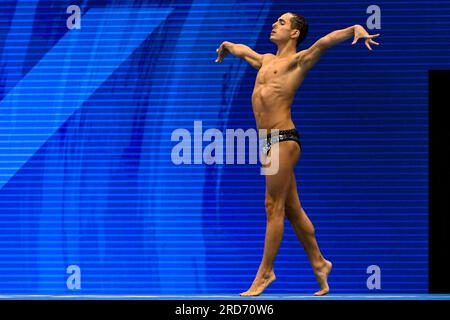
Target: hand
(222, 51)
(360, 32)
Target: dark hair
(299, 22)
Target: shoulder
(306, 58)
(267, 57)
(301, 55)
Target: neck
(286, 49)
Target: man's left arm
(309, 57)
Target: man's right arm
(240, 51)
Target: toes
(248, 294)
(321, 293)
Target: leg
(277, 188)
(305, 232)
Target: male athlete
(279, 77)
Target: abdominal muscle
(272, 110)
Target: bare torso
(277, 82)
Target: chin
(274, 40)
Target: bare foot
(259, 285)
(322, 277)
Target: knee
(310, 230)
(292, 213)
(274, 208)
(298, 217)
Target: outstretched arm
(309, 57)
(240, 51)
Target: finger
(374, 42)
(374, 35)
(368, 45)
(354, 40)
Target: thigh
(293, 204)
(278, 185)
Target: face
(281, 29)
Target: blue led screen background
(86, 176)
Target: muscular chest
(273, 70)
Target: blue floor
(232, 297)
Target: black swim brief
(283, 135)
